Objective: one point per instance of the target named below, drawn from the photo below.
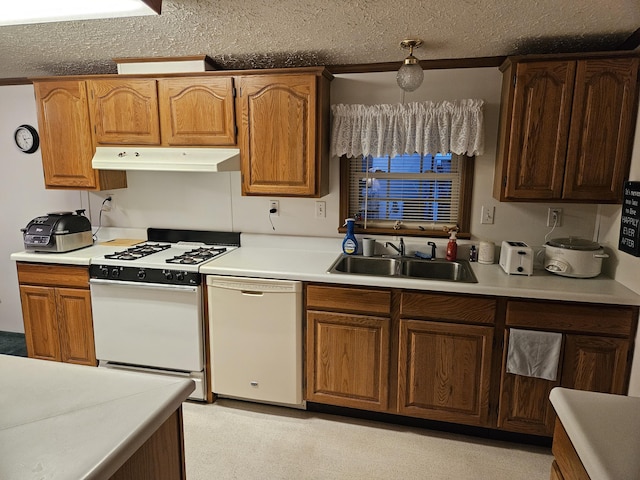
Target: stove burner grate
(197, 255)
(138, 251)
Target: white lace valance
(424, 128)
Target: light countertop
(62, 421)
(309, 258)
(255, 259)
(604, 430)
(81, 256)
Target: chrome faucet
(400, 249)
(433, 250)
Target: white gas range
(147, 303)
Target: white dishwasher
(255, 330)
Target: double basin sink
(405, 267)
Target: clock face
(26, 138)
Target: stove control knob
(180, 276)
(115, 273)
(168, 275)
(141, 274)
(104, 271)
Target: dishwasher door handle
(252, 293)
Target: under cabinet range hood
(167, 159)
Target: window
(407, 194)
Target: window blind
(417, 191)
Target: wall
(213, 201)
(623, 266)
(22, 196)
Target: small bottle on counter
(350, 244)
(473, 254)
(452, 247)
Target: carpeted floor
(12, 343)
(239, 440)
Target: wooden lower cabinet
(595, 357)
(442, 356)
(360, 352)
(444, 371)
(556, 474)
(566, 462)
(348, 360)
(348, 340)
(57, 320)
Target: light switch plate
(487, 215)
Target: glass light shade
(410, 76)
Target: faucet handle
(433, 249)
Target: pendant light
(410, 75)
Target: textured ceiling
(282, 33)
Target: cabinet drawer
(448, 307)
(578, 318)
(349, 299)
(53, 275)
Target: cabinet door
(40, 322)
(537, 141)
(125, 111)
(348, 360)
(197, 111)
(524, 402)
(75, 326)
(604, 112)
(278, 134)
(444, 371)
(596, 364)
(67, 147)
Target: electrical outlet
(321, 209)
(108, 205)
(487, 215)
(554, 217)
(274, 205)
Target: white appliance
(147, 303)
(256, 339)
(516, 258)
(573, 257)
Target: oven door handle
(154, 286)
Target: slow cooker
(573, 257)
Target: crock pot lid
(574, 243)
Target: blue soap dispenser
(350, 244)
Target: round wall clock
(26, 138)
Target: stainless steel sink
(458, 271)
(386, 266)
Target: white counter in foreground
(63, 421)
(604, 429)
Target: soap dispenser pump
(350, 243)
(452, 246)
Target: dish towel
(534, 354)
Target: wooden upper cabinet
(66, 141)
(602, 129)
(124, 111)
(539, 126)
(197, 111)
(566, 129)
(284, 134)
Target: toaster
(516, 258)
